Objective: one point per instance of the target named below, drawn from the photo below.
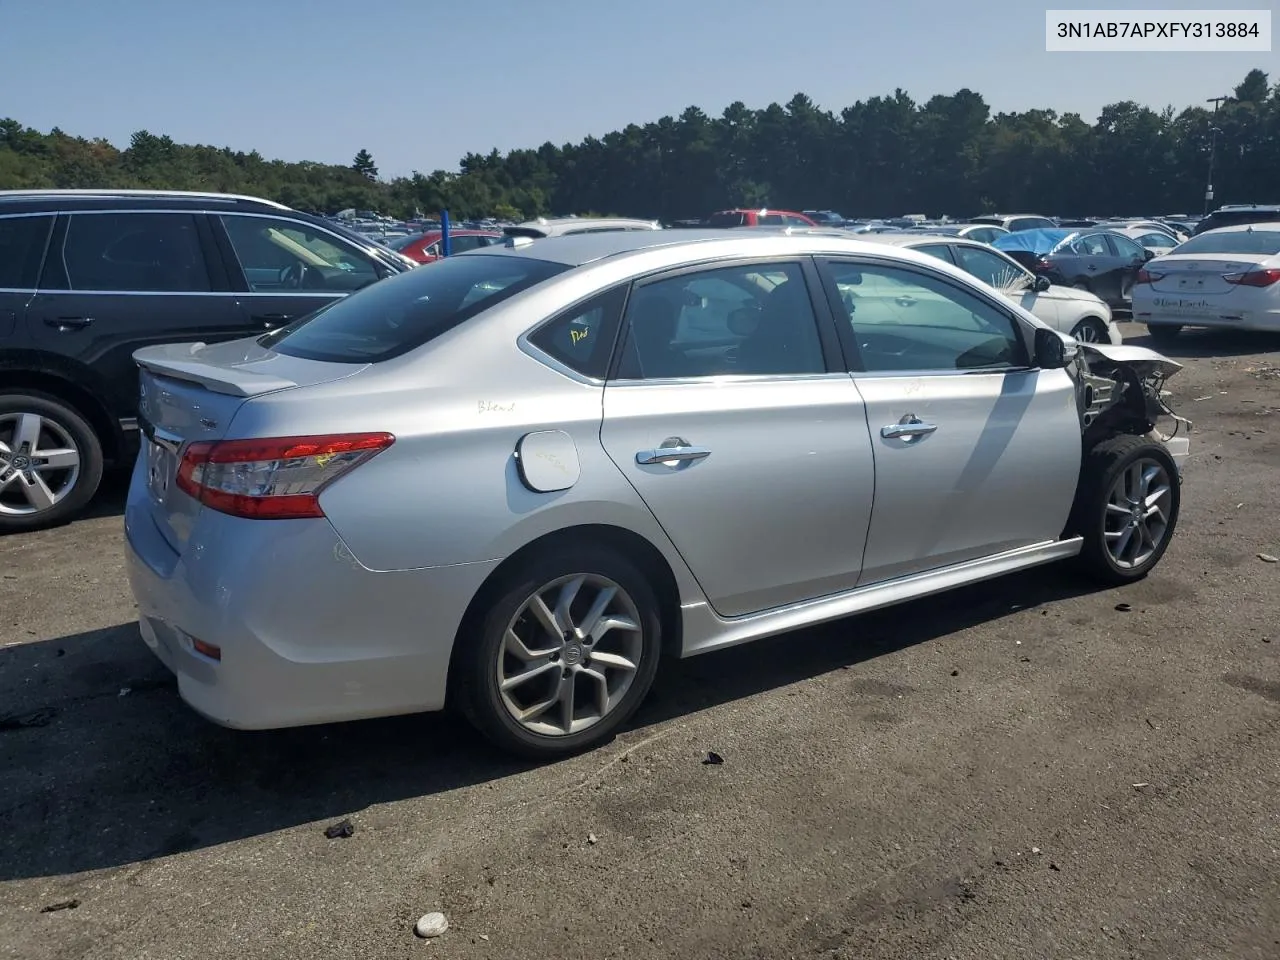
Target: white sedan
(1229, 277)
(1066, 309)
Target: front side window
(141, 252)
(403, 312)
(904, 320)
(992, 269)
(280, 256)
(22, 243)
(749, 320)
(1157, 241)
(727, 219)
(794, 221)
(769, 220)
(1092, 245)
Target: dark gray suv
(87, 277)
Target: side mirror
(1041, 283)
(1053, 350)
(1148, 254)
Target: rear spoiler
(176, 361)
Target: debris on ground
(713, 758)
(1053, 866)
(1123, 607)
(1267, 558)
(1207, 396)
(37, 718)
(431, 925)
(61, 905)
(344, 828)
(592, 838)
(1035, 850)
(1139, 786)
(955, 673)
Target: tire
(1105, 478)
(69, 489)
(1091, 330)
(484, 653)
(1164, 332)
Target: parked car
(87, 277)
(1151, 226)
(1075, 312)
(825, 218)
(1237, 214)
(982, 232)
(1229, 277)
(1157, 241)
(1013, 222)
(429, 246)
(759, 218)
(568, 226)
(514, 481)
(1099, 261)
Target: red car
(425, 247)
(759, 218)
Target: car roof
(1246, 227)
(580, 249)
(30, 201)
(920, 238)
(558, 225)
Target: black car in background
(1233, 215)
(88, 277)
(1099, 261)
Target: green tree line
(887, 155)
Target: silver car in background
(514, 481)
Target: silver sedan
(515, 481)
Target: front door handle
(909, 427)
(673, 451)
(68, 323)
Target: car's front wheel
(562, 654)
(1091, 330)
(1126, 508)
(50, 462)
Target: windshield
(1265, 242)
(396, 315)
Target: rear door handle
(673, 450)
(68, 323)
(909, 427)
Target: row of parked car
(88, 277)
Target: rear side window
(729, 219)
(401, 313)
(22, 243)
(582, 338)
(143, 252)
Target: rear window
(1264, 242)
(396, 315)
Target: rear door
(115, 281)
(730, 415)
(1129, 259)
(23, 240)
(284, 269)
(976, 453)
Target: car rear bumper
(1225, 319)
(307, 635)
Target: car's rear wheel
(1091, 330)
(1126, 508)
(562, 653)
(50, 462)
(1164, 332)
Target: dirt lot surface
(1015, 770)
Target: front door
(976, 452)
(733, 422)
(286, 269)
(117, 281)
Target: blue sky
(421, 82)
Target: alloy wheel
(1087, 332)
(1137, 512)
(39, 463)
(569, 655)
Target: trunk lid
(189, 392)
(1198, 275)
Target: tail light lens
(1147, 276)
(278, 478)
(1253, 278)
(1042, 265)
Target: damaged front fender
(1120, 389)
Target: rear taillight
(1253, 278)
(1042, 265)
(279, 478)
(1147, 276)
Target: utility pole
(1213, 149)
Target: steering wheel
(292, 276)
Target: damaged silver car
(515, 481)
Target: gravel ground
(1019, 770)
